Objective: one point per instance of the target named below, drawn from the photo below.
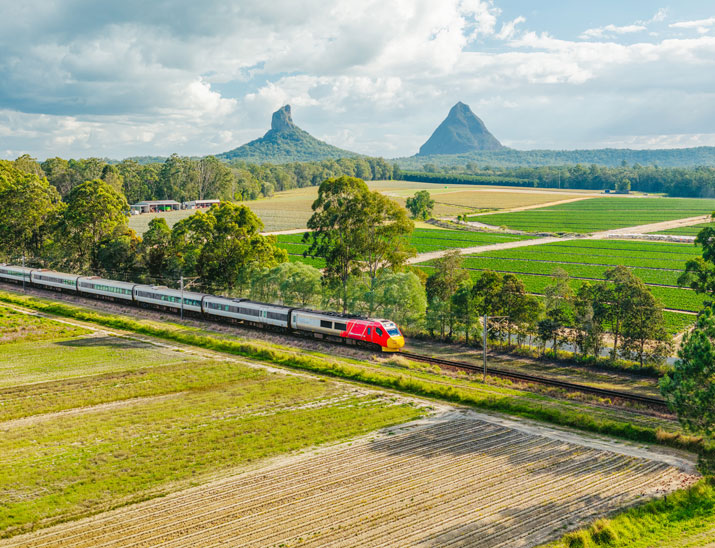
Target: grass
(69, 466)
(600, 214)
(683, 518)
(580, 416)
(33, 362)
(144, 420)
(16, 326)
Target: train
(329, 326)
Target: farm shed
(200, 204)
(154, 206)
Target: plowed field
(456, 479)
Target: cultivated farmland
(91, 421)
(458, 479)
(423, 240)
(657, 264)
(599, 214)
(291, 209)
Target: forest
(693, 182)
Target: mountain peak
(282, 119)
(461, 131)
(285, 142)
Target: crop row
(600, 214)
(650, 276)
(670, 297)
(629, 245)
(686, 230)
(544, 253)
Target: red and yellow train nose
(394, 343)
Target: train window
(369, 330)
(341, 326)
(378, 331)
(326, 324)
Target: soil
(457, 478)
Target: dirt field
(455, 479)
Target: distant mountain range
(461, 138)
(461, 131)
(285, 142)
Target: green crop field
(600, 214)
(138, 420)
(423, 240)
(658, 264)
(686, 230)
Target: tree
(232, 247)
(699, 273)
(689, 389)
(464, 306)
(589, 316)
(155, 247)
(558, 300)
(386, 239)
(30, 206)
(214, 179)
(614, 295)
(28, 164)
(421, 205)
(111, 176)
(338, 231)
(94, 211)
(354, 229)
(644, 329)
(400, 296)
(117, 255)
(442, 284)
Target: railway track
(523, 377)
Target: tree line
(695, 182)
(362, 236)
(184, 179)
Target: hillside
(461, 131)
(609, 157)
(285, 142)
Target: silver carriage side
(112, 289)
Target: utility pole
(484, 347)
(23, 272)
(182, 298)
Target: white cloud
(702, 26)
(375, 76)
(608, 30)
(508, 29)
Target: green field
(658, 264)
(138, 420)
(423, 240)
(686, 230)
(600, 214)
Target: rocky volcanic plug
(285, 142)
(461, 131)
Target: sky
(81, 78)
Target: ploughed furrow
(454, 480)
(456, 507)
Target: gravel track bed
(451, 480)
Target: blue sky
(83, 78)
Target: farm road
(631, 230)
(457, 478)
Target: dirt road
(455, 479)
(641, 229)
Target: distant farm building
(196, 204)
(154, 206)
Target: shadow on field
(106, 341)
(504, 447)
(523, 524)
